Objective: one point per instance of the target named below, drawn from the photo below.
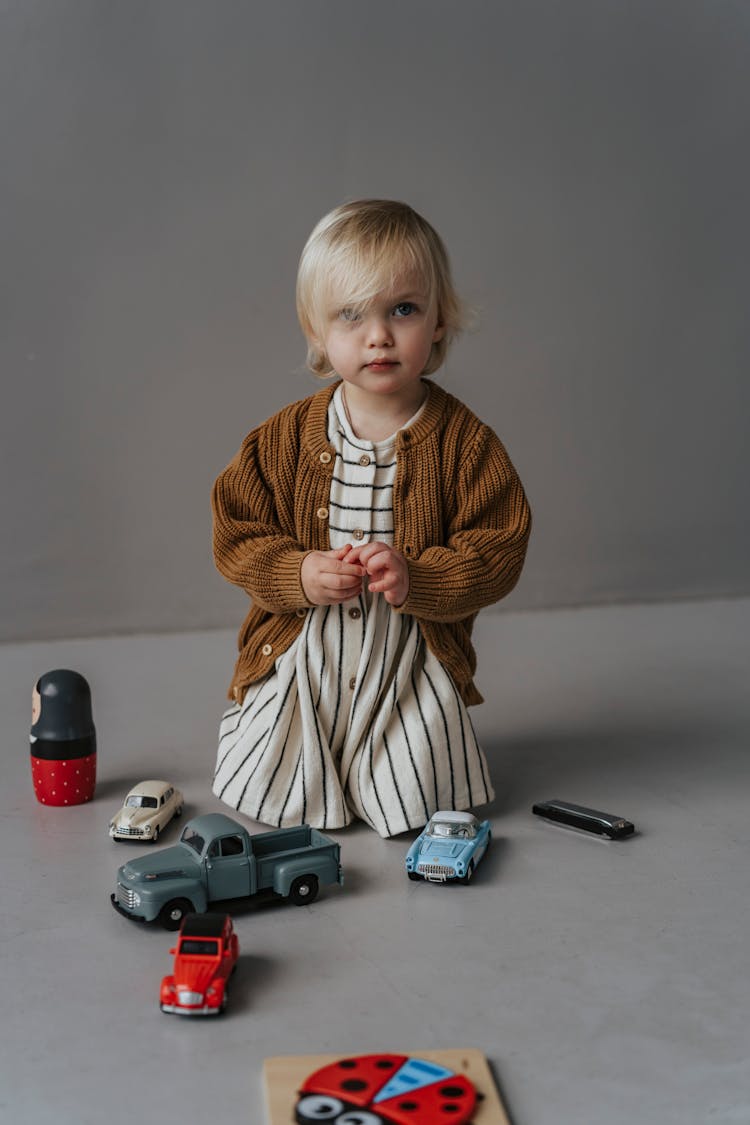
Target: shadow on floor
(531, 768)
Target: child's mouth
(382, 365)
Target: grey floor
(605, 981)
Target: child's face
(384, 348)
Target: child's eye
(348, 314)
(404, 308)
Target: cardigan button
(358, 533)
(301, 613)
(355, 613)
(322, 513)
(325, 457)
(352, 683)
(267, 650)
(364, 460)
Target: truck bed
(283, 840)
(271, 849)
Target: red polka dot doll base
(64, 782)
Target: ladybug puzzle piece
(386, 1090)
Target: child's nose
(378, 332)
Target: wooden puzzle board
(284, 1075)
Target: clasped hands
(329, 577)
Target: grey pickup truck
(218, 859)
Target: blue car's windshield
(448, 828)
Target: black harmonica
(590, 820)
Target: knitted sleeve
(251, 547)
(486, 539)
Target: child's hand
(326, 579)
(388, 570)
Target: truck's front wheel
(172, 913)
(303, 890)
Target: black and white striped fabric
(358, 718)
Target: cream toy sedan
(147, 811)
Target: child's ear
(438, 333)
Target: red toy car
(205, 958)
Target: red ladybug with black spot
(386, 1090)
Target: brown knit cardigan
(460, 515)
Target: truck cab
(230, 866)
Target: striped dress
(358, 718)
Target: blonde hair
(358, 250)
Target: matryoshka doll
(63, 739)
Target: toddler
(368, 523)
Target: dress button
(364, 459)
(355, 613)
(322, 513)
(267, 650)
(301, 613)
(358, 533)
(325, 457)
(352, 683)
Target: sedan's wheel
(171, 915)
(303, 890)
(155, 836)
(317, 1107)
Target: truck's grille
(436, 871)
(125, 896)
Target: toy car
(147, 811)
(204, 959)
(449, 848)
(216, 860)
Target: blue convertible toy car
(450, 847)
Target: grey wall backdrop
(588, 165)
